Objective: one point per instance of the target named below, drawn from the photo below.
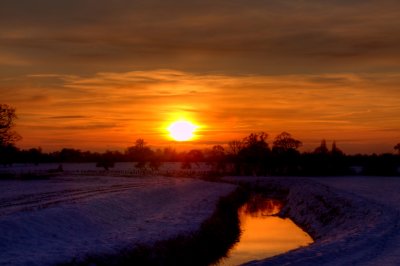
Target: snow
(91, 167)
(384, 190)
(44, 222)
(354, 220)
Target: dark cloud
(241, 36)
(68, 117)
(91, 126)
(307, 66)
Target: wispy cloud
(129, 105)
(126, 68)
(13, 60)
(230, 37)
(68, 117)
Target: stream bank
(347, 229)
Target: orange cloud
(112, 110)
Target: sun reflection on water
(264, 235)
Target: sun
(182, 130)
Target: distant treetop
(397, 147)
(7, 117)
(285, 142)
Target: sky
(99, 74)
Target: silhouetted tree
(322, 149)
(284, 142)
(8, 136)
(170, 155)
(338, 163)
(324, 162)
(7, 118)
(193, 156)
(35, 155)
(156, 160)
(285, 158)
(216, 158)
(335, 150)
(385, 164)
(234, 147)
(107, 160)
(254, 154)
(140, 153)
(397, 147)
(317, 162)
(140, 144)
(70, 155)
(8, 154)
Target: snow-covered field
(354, 220)
(43, 222)
(384, 190)
(119, 167)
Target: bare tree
(7, 117)
(216, 157)
(140, 144)
(285, 142)
(397, 147)
(256, 140)
(193, 156)
(140, 153)
(235, 146)
(255, 153)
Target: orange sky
(100, 75)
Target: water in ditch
(263, 234)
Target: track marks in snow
(36, 201)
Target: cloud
(128, 105)
(68, 117)
(202, 36)
(125, 68)
(91, 126)
(10, 59)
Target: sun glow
(182, 130)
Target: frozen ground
(385, 190)
(43, 222)
(73, 168)
(354, 220)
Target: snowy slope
(349, 229)
(386, 191)
(49, 221)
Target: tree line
(252, 155)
